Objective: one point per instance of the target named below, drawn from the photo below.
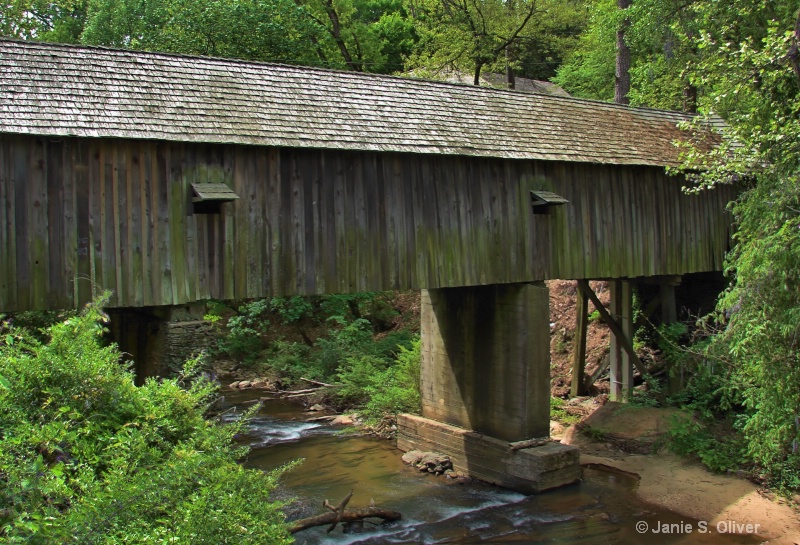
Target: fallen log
(349, 515)
(305, 391)
(322, 418)
(318, 383)
(340, 514)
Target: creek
(601, 509)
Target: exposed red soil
(563, 296)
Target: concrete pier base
(490, 459)
(485, 382)
(160, 339)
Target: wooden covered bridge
(171, 179)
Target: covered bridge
(346, 182)
(170, 179)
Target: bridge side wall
(78, 216)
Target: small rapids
(601, 509)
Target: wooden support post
(669, 315)
(618, 339)
(616, 353)
(579, 353)
(626, 321)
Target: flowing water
(601, 509)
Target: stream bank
(625, 439)
(603, 508)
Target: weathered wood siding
(81, 215)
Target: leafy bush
(717, 445)
(87, 457)
(243, 339)
(396, 389)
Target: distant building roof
(498, 81)
(525, 85)
(62, 90)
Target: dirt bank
(609, 435)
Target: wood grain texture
(81, 215)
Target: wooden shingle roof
(62, 90)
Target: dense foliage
(87, 457)
(529, 37)
(351, 340)
(749, 75)
(737, 60)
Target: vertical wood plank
(8, 258)
(120, 225)
(20, 150)
(141, 194)
(107, 259)
(307, 261)
(229, 236)
(38, 239)
(255, 224)
(178, 195)
(296, 258)
(245, 210)
(161, 182)
(273, 213)
(59, 189)
(69, 242)
(263, 255)
(95, 152)
(195, 168)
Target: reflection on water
(601, 509)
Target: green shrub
(243, 338)
(716, 444)
(396, 389)
(87, 457)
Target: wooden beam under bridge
(622, 333)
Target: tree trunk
(478, 68)
(622, 74)
(336, 34)
(690, 98)
(510, 80)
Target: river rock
(431, 462)
(316, 408)
(412, 457)
(342, 420)
(245, 384)
(259, 384)
(234, 384)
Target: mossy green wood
(83, 215)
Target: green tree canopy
(267, 30)
(748, 69)
(59, 21)
(473, 35)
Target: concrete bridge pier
(160, 339)
(485, 384)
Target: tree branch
(340, 514)
(519, 29)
